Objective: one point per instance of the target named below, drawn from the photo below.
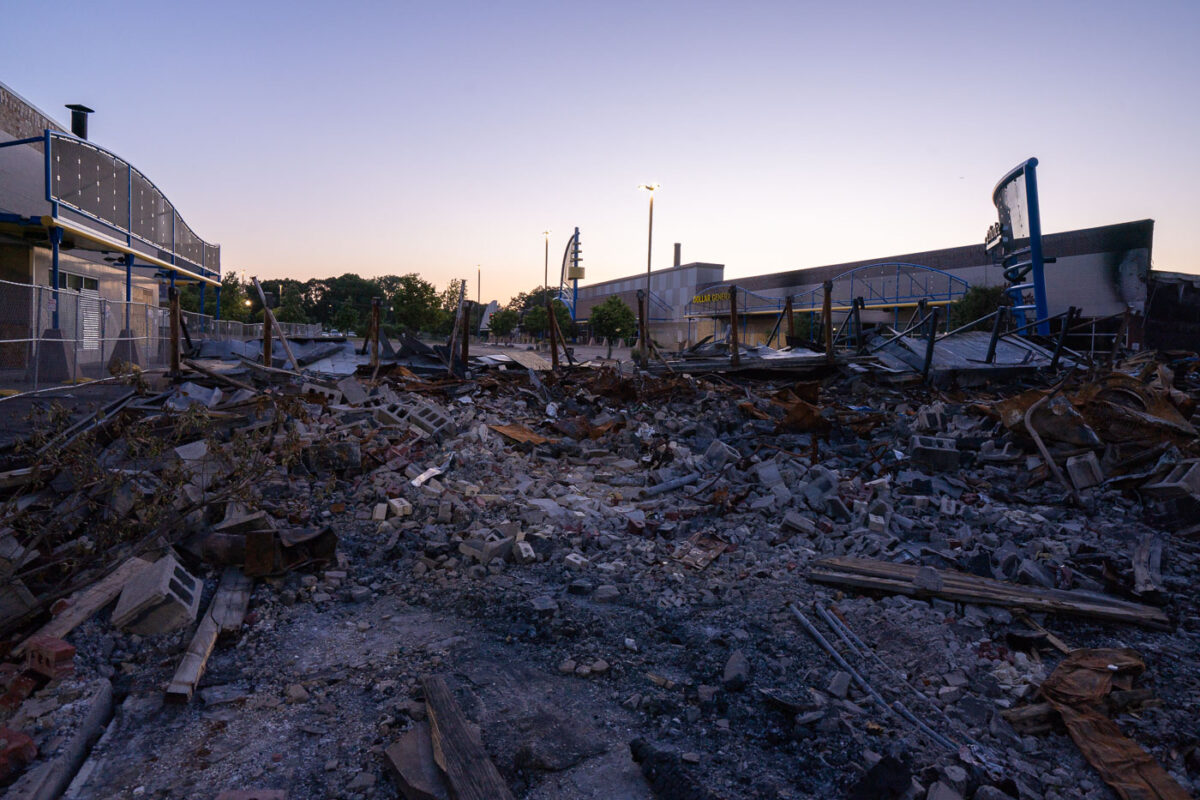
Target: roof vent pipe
(678, 247)
(79, 117)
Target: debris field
(595, 583)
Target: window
(69, 280)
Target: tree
(503, 322)
(612, 319)
(976, 302)
(415, 303)
(347, 320)
(534, 299)
(536, 322)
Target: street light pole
(649, 187)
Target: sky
(314, 138)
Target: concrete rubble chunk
(737, 671)
(1084, 471)
(161, 598)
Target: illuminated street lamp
(651, 188)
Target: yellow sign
(714, 297)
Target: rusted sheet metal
(520, 434)
(1074, 689)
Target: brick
(19, 688)
(935, 452)
(49, 656)
(16, 750)
(575, 561)
(399, 507)
(159, 599)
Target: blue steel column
(128, 288)
(1035, 247)
(202, 285)
(56, 236)
(218, 314)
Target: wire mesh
(92, 337)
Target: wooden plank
(270, 319)
(1147, 567)
(225, 613)
(86, 602)
(469, 771)
(966, 588)
(412, 763)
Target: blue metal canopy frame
(99, 208)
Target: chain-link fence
(82, 336)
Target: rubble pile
(597, 584)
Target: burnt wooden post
(374, 332)
(858, 331)
(266, 354)
(827, 323)
(643, 325)
(466, 334)
(735, 357)
(1062, 337)
(997, 326)
(173, 297)
(790, 313)
(550, 331)
(933, 323)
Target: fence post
(827, 324)
(37, 339)
(75, 345)
(735, 355)
(173, 296)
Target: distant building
(1099, 270)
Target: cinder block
(332, 396)
(491, 546)
(935, 452)
(430, 418)
(523, 553)
(1085, 471)
(159, 599)
(49, 656)
(380, 512)
(1182, 480)
(575, 561)
(399, 507)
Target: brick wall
(19, 119)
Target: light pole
(649, 187)
(546, 276)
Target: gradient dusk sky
(312, 139)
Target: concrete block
(399, 507)
(1182, 480)
(1085, 471)
(575, 561)
(523, 553)
(352, 390)
(935, 452)
(332, 396)
(490, 547)
(159, 599)
(49, 656)
(380, 512)
(430, 418)
(798, 522)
